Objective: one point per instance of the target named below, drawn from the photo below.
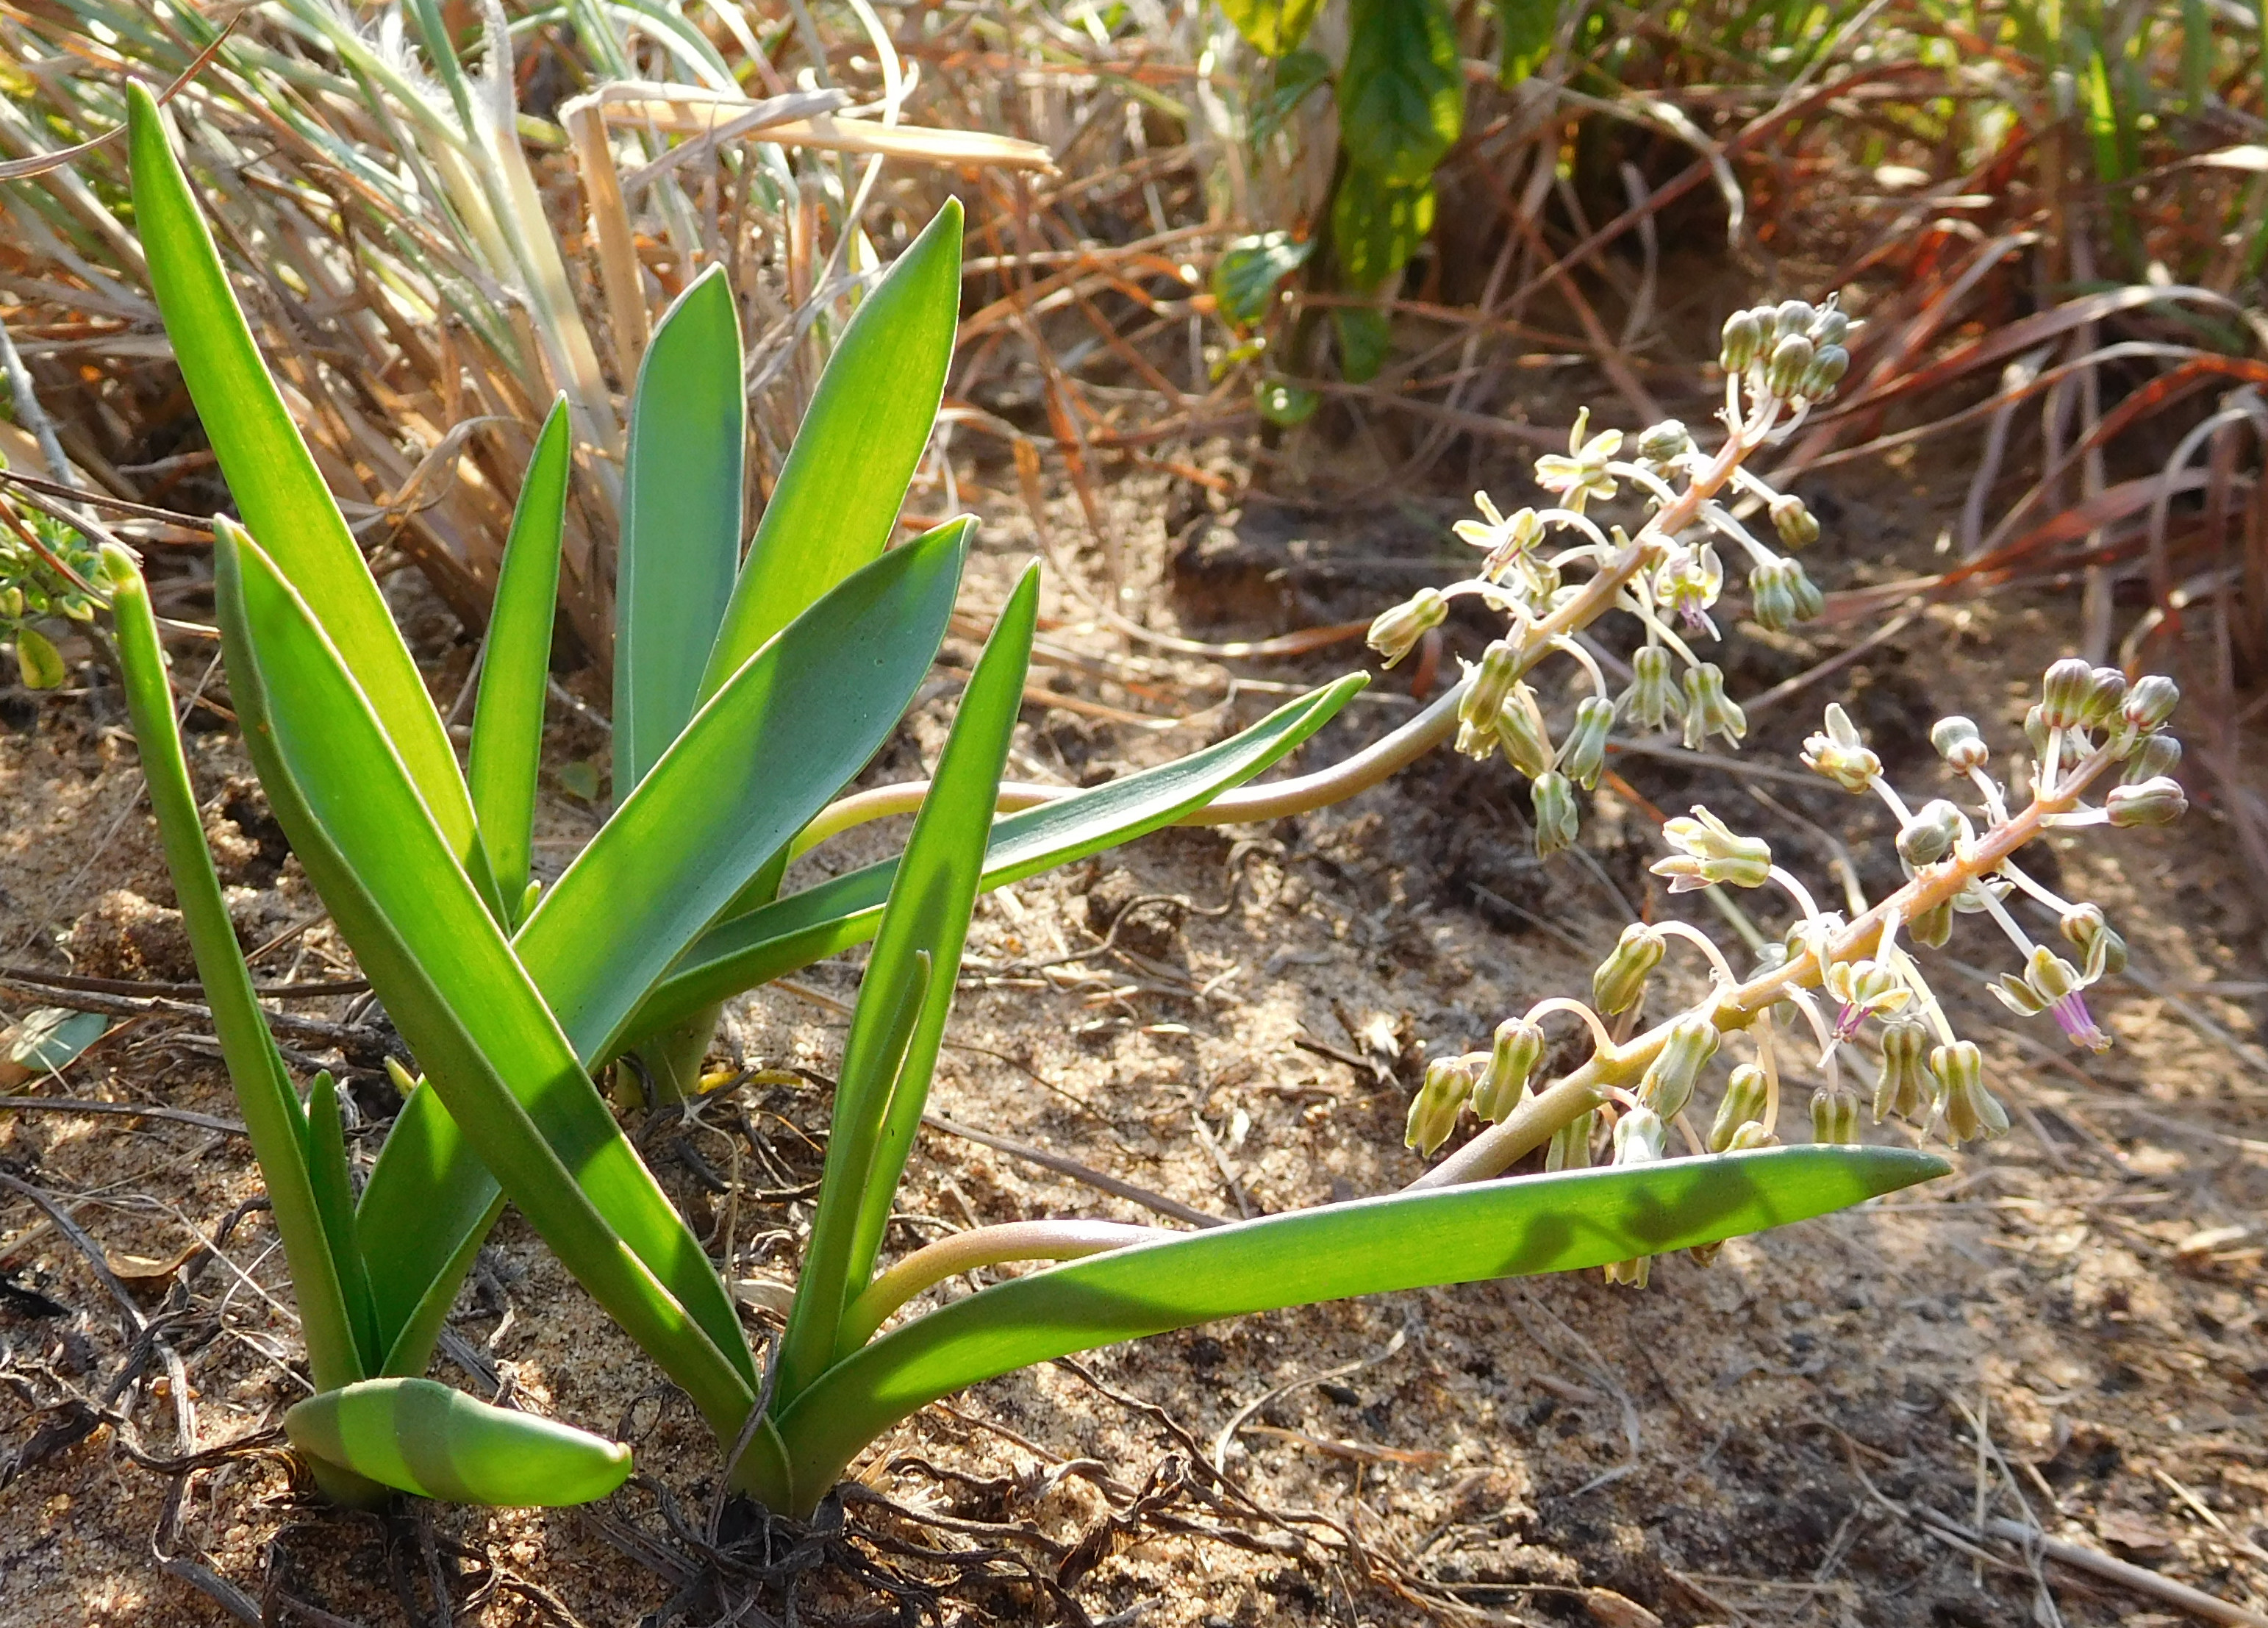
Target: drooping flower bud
(1753, 1134)
(1797, 525)
(1489, 681)
(1970, 1111)
(2157, 801)
(2105, 698)
(1620, 978)
(1902, 1088)
(1584, 752)
(1834, 1116)
(1640, 1137)
(1790, 360)
(2035, 729)
(1667, 1086)
(1664, 442)
(1841, 752)
(1519, 730)
(1793, 316)
(1828, 365)
(1570, 1144)
(2063, 693)
(1434, 1111)
(1709, 851)
(2085, 929)
(1745, 1096)
(1512, 1062)
(1479, 744)
(1557, 819)
(1708, 710)
(1743, 337)
(2152, 701)
(1930, 834)
(1933, 926)
(1397, 630)
(2155, 754)
(1830, 326)
(1958, 742)
(1653, 696)
(1771, 596)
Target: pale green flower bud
(1834, 1118)
(1745, 1096)
(2154, 755)
(1710, 851)
(1434, 1111)
(1793, 316)
(1708, 710)
(1665, 441)
(1398, 630)
(1793, 520)
(1753, 1134)
(1903, 1086)
(2157, 801)
(1620, 978)
(1667, 1086)
(1743, 338)
(1640, 1137)
(1933, 926)
(1653, 696)
(1958, 742)
(2035, 729)
(1477, 742)
(2063, 693)
(1790, 361)
(1970, 1111)
(2105, 697)
(1513, 1063)
(1584, 752)
(2152, 701)
(1489, 681)
(1570, 1144)
(2087, 930)
(1930, 834)
(1557, 820)
(1841, 752)
(1829, 326)
(1519, 730)
(1773, 596)
(1827, 369)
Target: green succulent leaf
(423, 1438)
(1403, 1241)
(892, 1048)
(334, 1187)
(854, 455)
(1272, 27)
(274, 481)
(429, 1202)
(681, 505)
(844, 910)
(1402, 93)
(459, 996)
(515, 668)
(1376, 227)
(1246, 276)
(789, 729)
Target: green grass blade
(1460, 1235)
(424, 1438)
(273, 478)
(427, 1205)
(273, 1117)
(889, 1056)
(943, 866)
(799, 719)
(681, 543)
(459, 997)
(844, 910)
(515, 671)
(855, 453)
(334, 1188)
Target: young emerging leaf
(421, 1437)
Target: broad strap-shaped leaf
(753, 949)
(1402, 91)
(906, 995)
(516, 667)
(856, 451)
(1404, 1241)
(422, 1437)
(797, 721)
(427, 1205)
(457, 994)
(273, 478)
(273, 1117)
(334, 1187)
(681, 507)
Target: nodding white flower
(1866, 988)
(1689, 580)
(2051, 985)
(1840, 753)
(1505, 540)
(1581, 474)
(1711, 851)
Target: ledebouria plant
(1829, 977)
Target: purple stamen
(2078, 1024)
(1849, 1021)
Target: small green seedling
(752, 690)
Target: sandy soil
(1784, 1437)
